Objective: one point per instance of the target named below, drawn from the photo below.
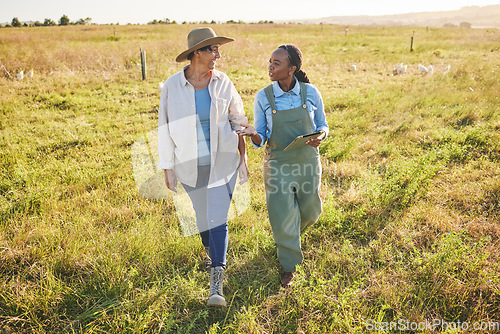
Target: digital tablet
(300, 141)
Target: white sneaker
(216, 279)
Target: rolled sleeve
(260, 121)
(165, 143)
(319, 113)
(236, 110)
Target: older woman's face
(209, 57)
(279, 66)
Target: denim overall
(292, 179)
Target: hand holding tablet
(300, 141)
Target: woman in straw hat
(200, 110)
(288, 108)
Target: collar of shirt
(184, 81)
(278, 91)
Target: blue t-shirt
(203, 101)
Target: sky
(144, 11)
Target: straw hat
(200, 37)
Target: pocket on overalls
(291, 130)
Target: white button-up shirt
(177, 139)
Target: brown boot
(287, 279)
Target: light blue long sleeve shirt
(263, 119)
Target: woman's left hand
(243, 172)
(316, 141)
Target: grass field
(410, 230)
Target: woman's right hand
(247, 130)
(170, 179)
(250, 131)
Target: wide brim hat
(201, 37)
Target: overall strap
(303, 94)
(303, 97)
(270, 97)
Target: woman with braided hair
(286, 109)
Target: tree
(38, 24)
(16, 22)
(83, 21)
(48, 22)
(64, 21)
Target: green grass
(410, 224)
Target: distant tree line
(167, 21)
(63, 21)
(462, 25)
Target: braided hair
(295, 59)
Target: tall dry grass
(410, 222)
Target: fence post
(411, 44)
(143, 63)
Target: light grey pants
(211, 206)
